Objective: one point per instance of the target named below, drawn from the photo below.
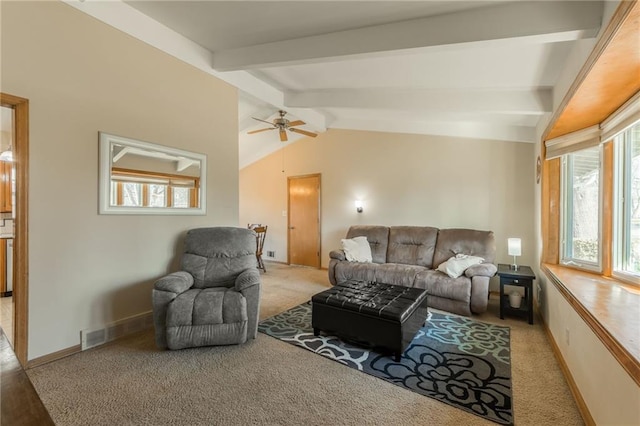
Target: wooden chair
(261, 232)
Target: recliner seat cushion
(200, 317)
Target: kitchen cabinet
(5, 186)
(3, 267)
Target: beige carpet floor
(269, 382)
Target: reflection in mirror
(143, 178)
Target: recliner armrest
(337, 254)
(176, 282)
(247, 278)
(481, 269)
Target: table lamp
(514, 246)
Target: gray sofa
(410, 255)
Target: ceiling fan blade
(264, 121)
(296, 123)
(283, 135)
(304, 132)
(260, 130)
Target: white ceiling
(481, 69)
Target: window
(131, 194)
(581, 208)
(157, 195)
(133, 188)
(627, 203)
(181, 197)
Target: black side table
(522, 277)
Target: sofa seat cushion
(441, 285)
(388, 273)
(357, 271)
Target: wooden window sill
(611, 308)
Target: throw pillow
(455, 266)
(357, 249)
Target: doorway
(7, 212)
(303, 234)
(20, 148)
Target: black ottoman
(375, 314)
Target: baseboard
(91, 338)
(577, 396)
(53, 356)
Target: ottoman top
(381, 300)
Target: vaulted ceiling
(477, 69)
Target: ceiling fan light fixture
(282, 124)
(7, 155)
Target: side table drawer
(514, 281)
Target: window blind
(575, 141)
(626, 116)
(623, 118)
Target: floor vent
(95, 337)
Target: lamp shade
(514, 246)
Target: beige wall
(82, 77)
(403, 180)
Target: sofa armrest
(246, 279)
(481, 269)
(337, 254)
(177, 282)
(248, 284)
(164, 291)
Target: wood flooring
(19, 403)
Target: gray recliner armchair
(215, 298)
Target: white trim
(106, 163)
(624, 117)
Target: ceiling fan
(282, 124)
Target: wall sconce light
(359, 206)
(514, 246)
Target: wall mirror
(139, 177)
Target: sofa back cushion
(466, 241)
(378, 238)
(412, 245)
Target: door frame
(20, 147)
(289, 179)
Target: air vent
(95, 337)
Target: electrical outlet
(284, 213)
(566, 336)
(271, 253)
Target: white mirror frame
(105, 207)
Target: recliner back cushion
(412, 245)
(466, 241)
(378, 238)
(216, 256)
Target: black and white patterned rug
(456, 360)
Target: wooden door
(304, 220)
